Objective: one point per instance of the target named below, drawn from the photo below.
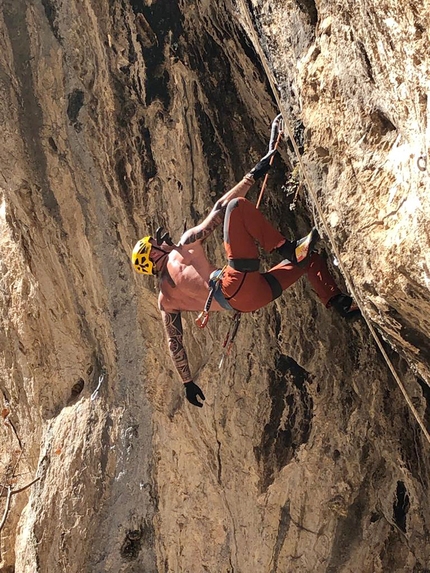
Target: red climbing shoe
(344, 305)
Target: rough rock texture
(119, 116)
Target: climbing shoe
(344, 305)
(298, 252)
(305, 246)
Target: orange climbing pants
(244, 226)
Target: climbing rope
(310, 187)
(230, 336)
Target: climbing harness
(327, 229)
(214, 290)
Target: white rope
(336, 251)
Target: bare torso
(184, 280)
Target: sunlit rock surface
(118, 117)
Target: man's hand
(191, 393)
(262, 166)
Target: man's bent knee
(233, 204)
(236, 202)
(275, 285)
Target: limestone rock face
(118, 117)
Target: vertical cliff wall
(121, 116)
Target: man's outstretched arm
(173, 327)
(216, 216)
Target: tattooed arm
(173, 327)
(216, 216)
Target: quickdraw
(214, 278)
(275, 137)
(230, 336)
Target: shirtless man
(185, 273)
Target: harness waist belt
(244, 265)
(220, 298)
(215, 291)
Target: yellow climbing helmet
(140, 257)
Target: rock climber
(184, 272)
